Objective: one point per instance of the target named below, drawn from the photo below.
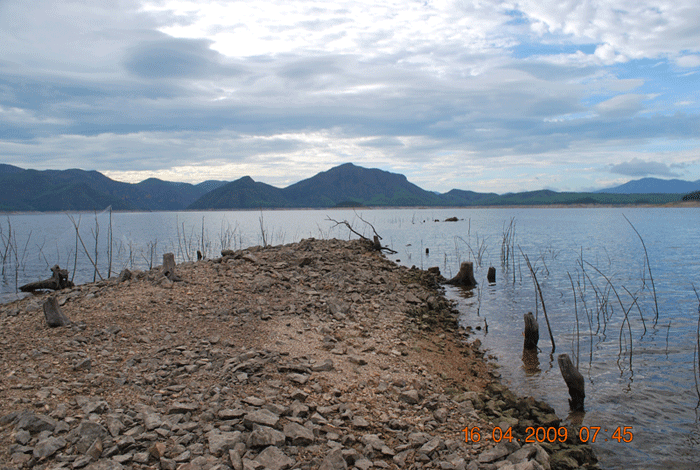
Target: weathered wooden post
(574, 380)
(465, 276)
(532, 332)
(491, 275)
(54, 316)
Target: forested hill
(347, 185)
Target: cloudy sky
(485, 95)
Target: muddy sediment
(320, 354)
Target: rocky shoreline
(320, 354)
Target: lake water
(639, 373)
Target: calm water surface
(638, 373)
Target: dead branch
(374, 244)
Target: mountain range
(654, 185)
(347, 185)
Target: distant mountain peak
(654, 186)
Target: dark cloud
(177, 58)
(637, 168)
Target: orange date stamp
(586, 434)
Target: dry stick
(598, 297)
(373, 229)
(537, 284)
(179, 243)
(651, 278)
(590, 317)
(110, 249)
(376, 242)
(8, 244)
(697, 347)
(96, 234)
(75, 259)
(262, 229)
(626, 312)
(638, 308)
(77, 233)
(578, 332)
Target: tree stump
(491, 275)
(58, 281)
(54, 315)
(169, 267)
(465, 276)
(532, 332)
(574, 380)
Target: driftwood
(465, 276)
(491, 275)
(532, 332)
(54, 316)
(58, 281)
(574, 380)
(169, 267)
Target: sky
(477, 95)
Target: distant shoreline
(671, 205)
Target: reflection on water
(638, 364)
(531, 362)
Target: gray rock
(182, 408)
(273, 458)
(298, 435)
(235, 459)
(95, 450)
(325, 366)
(23, 437)
(409, 396)
(85, 364)
(416, 439)
(496, 453)
(152, 420)
(35, 423)
(431, 446)
(105, 464)
(220, 442)
(115, 426)
(47, 447)
(87, 433)
(262, 417)
(360, 422)
(92, 405)
(373, 441)
(334, 461)
(264, 436)
(525, 453)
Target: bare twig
(651, 278)
(578, 333)
(77, 234)
(375, 244)
(539, 290)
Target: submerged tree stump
(54, 316)
(465, 276)
(491, 275)
(58, 281)
(532, 332)
(574, 380)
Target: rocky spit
(320, 354)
